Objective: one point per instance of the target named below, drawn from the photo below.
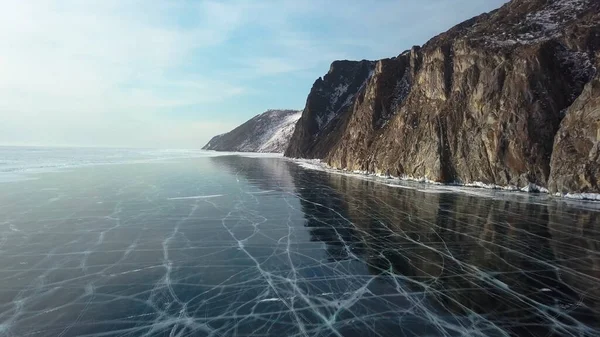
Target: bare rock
(576, 155)
(481, 102)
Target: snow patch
(338, 91)
(533, 188)
(583, 196)
(267, 132)
(550, 18)
(311, 164)
(486, 186)
(579, 64)
(322, 121)
(197, 197)
(401, 91)
(334, 108)
(282, 135)
(541, 25)
(213, 140)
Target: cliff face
(575, 164)
(268, 132)
(325, 116)
(481, 102)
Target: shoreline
(531, 189)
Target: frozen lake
(173, 243)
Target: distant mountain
(268, 132)
(509, 98)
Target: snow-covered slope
(268, 132)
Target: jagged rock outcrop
(327, 106)
(576, 155)
(268, 132)
(482, 102)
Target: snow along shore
(468, 188)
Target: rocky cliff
(324, 118)
(509, 97)
(268, 132)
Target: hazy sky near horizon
(173, 73)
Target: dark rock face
(482, 102)
(268, 132)
(576, 156)
(327, 107)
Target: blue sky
(172, 73)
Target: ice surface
(286, 251)
(23, 163)
(19, 163)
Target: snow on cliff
(268, 132)
(283, 132)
